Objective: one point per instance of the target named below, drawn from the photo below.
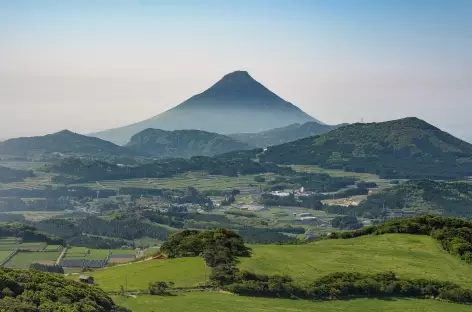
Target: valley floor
(219, 302)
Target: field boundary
(8, 258)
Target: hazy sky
(92, 65)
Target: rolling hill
(422, 196)
(64, 142)
(236, 103)
(8, 175)
(183, 143)
(404, 148)
(282, 135)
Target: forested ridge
(404, 148)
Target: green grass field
(410, 256)
(4, 254)
(81, 253)
(22, 260)
(53, 248)
(183, 272)
(32, 246)
(217, 302)
(8, 243)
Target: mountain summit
(237, 103)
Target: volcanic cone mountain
(235, 104)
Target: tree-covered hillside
(8, 175)
(283, 135)
(183, 143)
(423, 196)
(34, 291)
(404, 148)
(63, 142)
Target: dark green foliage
(8, 217)
(347, 285)
(8, 175)
(34, 291)
(47, 268)
(454, 235)
(97, 242)
(74, 170)
(241, 213)
(43, 204)
(191, 243)
(62, 192)
(405, 148)
(64, 142)
(28, 233)
(422, 196)
(282, 135)
(183, 143)
(346, 223)
(259, 179)
(253, 235)
(160, 288)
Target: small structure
(86, 279)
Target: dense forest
(422, 196)
(8, 175)
(63, 142)
(74, 170)
(405, 148)
(183, 143)
(28, 233)
(282, 135)
(35, 291)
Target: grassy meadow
(409, 256)
(184, 272)
(219, 302)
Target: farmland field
(410, 256)
(81, 253)
(8, 244)
(32, 246)
(182, 271)
(23, 259)
(200, 181)
(4, 254)
(217, 302)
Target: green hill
(410, 256)
(210, 302)
(282, 135)
(404, 148)
(64, 142)
(421, 196)
(183, 143)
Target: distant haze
(94, 65)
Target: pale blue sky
(92, 65)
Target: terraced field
(83, 253)
(22, 260)
(198, 180)
(218, 302)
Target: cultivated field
(4, 254)
(200, 181)
(22, 260)
(86, 253)
(183, 272)
(8, 244)
(218, 302)
(410, 256)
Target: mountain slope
(64, 142)
(237, 103)
(404, 148)
(421, 196)
(282, 135)
(183, 143)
